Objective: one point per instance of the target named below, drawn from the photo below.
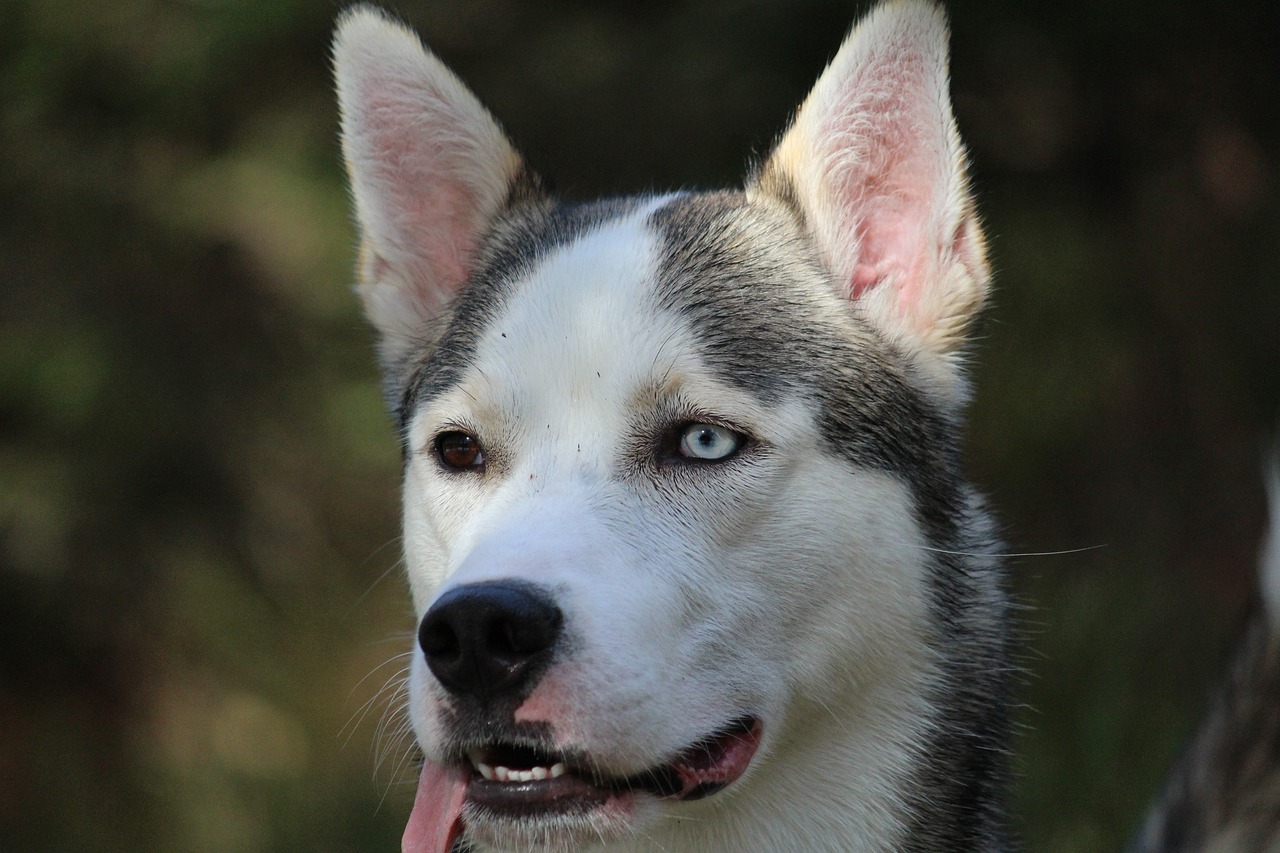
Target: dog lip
(522, 782)
(565, 793)
(714, 763)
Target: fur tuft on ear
(429, 170)
(874, 167)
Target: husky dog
(684, 518)
(695, 564)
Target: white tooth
(485, 770)
(503, 774)
(523, 775)
(557, 770)
(539, 773)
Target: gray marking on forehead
(738, 291)
(520, 240)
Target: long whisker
(1062, 553)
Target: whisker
(1061, 553)
(395, 566)
(394, 681)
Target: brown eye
(459, 450)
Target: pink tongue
(436, 820)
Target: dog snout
(489, 640)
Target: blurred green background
(201, 615)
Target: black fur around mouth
(525, 781)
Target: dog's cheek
(822, 591)
(732, 566)
(856, 589)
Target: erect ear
(429, 170)
(874, 164)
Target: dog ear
(874, 167)
(429, 169)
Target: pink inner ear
(865, 277)
(891, 223)
(438, 224)
(886, 143)
(426, 211)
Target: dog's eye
(459, 450)
(708, 442)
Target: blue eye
(708, 442)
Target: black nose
(489, 639)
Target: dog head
(674, 465)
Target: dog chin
(573, 824)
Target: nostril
(502, 641)
(438, 639)
(520, 638)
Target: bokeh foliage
(198, 555)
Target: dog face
(673, 465)
(678, 520)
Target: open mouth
(523, 779)
(521, 785)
